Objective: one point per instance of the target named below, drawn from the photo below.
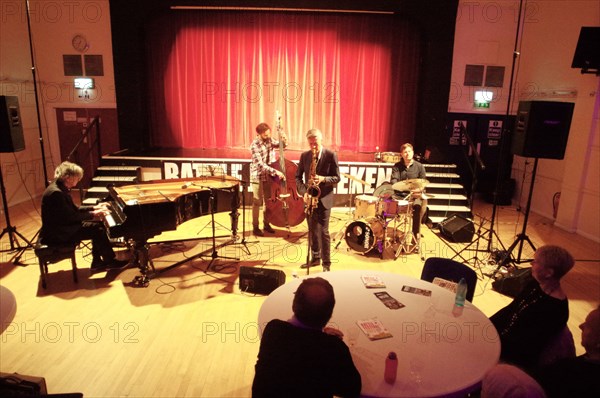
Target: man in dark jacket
(326, 175)
(303, 358)
(64, 222)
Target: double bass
(285, 208)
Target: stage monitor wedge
(542, 129)
(11, 128)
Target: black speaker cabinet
(511, 285)
(457, 229)
(260, 280)
(11, 129)
(587, 55)
(542, 129)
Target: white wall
(53, 25)
(485, 34)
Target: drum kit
(381, 220)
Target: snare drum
(366, 206)
(363, 235)
(389, 207)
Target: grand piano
(144, 210)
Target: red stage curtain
(213, 76)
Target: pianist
(63, 222)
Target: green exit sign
(482, 104)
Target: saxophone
(313, 190)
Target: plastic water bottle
(391, 368)
(459, 299)
(461, 293)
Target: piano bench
(49, 254)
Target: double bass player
(263, 153)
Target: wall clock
(80, 43)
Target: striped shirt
(259, 169)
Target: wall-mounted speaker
(11, 129)
(542, 129)
(457, 229)
(260, 280)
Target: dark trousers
(416, 218)
(319, 232)
(101, 247)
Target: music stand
(244, 242)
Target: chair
(49, 254)
(450, 270)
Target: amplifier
(457, 229)
(260, 280)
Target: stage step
(445, 198)
(449, 195)
(134, 171)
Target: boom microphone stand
(522, 237)
(516, 53)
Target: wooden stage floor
(192, 332)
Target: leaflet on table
(374, 329)
(446, 284)
(416, 290)
(372, 281)
(388, 300)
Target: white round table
(439, 354)
(8, 307)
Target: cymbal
(355, 179)
(410, 185)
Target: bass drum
(362, 235)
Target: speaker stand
(522, 237)
(11, 231)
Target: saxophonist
(318, 172)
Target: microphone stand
(244, 242)
(309, 216)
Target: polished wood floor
(191, 332)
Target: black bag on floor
(16, 385)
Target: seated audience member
(303, 358)
(538, 313)
(579, 376)
(568, 377)
(63, 222)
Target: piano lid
(170, 190)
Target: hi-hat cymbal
(410, 185)
(355, 179)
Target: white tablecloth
(439, 354)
